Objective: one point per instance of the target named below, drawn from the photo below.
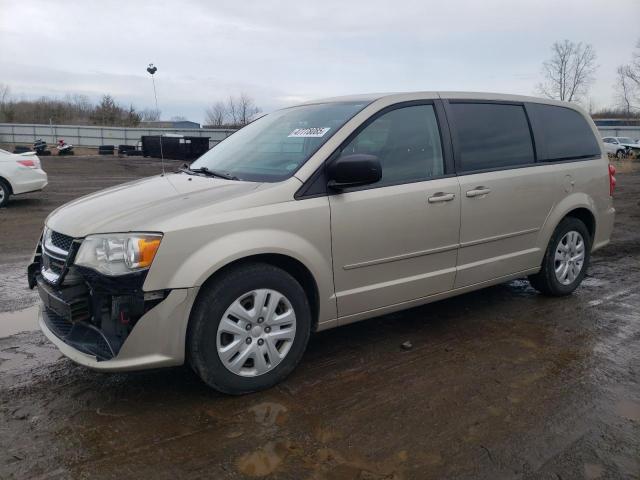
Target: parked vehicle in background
(320, 215)
(40, 147)
(20, 173)
(64, 148)
(620, 146)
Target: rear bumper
(29, 180)
(157, 340)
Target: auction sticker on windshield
(310, 132)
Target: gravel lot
(501, 383)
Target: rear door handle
(441, 197)
(478, 191)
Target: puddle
(264, 461)
(19, 321)
(629, 410)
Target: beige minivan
(320, 215)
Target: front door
(396, 240)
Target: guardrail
(94, 136)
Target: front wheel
(566, 259)
(620, 154)
(249, 329)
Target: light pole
(152, 69)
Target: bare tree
(216, 114)
(628, 82)
(247, 109)
(5, 107)
(150, 115)
(178, 118)
(232, 111)
(569, 72)
(623, 90)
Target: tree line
(71, 110)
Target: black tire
(5, 193)
(620, 154)
(545, 281)
(211, 304)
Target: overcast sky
(281, 52)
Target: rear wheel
(249, 329)
(5, 193)
(566, 259)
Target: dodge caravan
(316, 216)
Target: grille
(61, 241)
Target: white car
(20, 173)
(620, 146)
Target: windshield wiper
(209, 172)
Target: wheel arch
(580, 206)
(5, 180)
(292, 266)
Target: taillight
(27, 163)
(612, 179)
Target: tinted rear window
(492, 135)
(566, 133)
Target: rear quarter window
(564, 133)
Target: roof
(407, 96)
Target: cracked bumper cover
(157, 340)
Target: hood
(147, 204)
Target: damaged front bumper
(107, 323)
(157, 340)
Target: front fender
(299, 230)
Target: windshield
(273, 147)
(625, 140)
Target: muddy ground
(501, 383)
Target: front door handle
(441, 197)
(478, 192)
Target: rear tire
(206, 339)
(566, 260)
(5, 193)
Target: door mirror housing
(354, 170)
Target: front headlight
(118, 253)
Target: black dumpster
(174, 146)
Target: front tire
(566, 260)
(5, 193)
(248, 329)
(620, 154)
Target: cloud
(284, 51)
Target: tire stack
(106, 150)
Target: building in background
(169, 124)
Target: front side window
(491, 136)
(566, 133)
(407, 143)
(273, 147)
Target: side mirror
(354, 170)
